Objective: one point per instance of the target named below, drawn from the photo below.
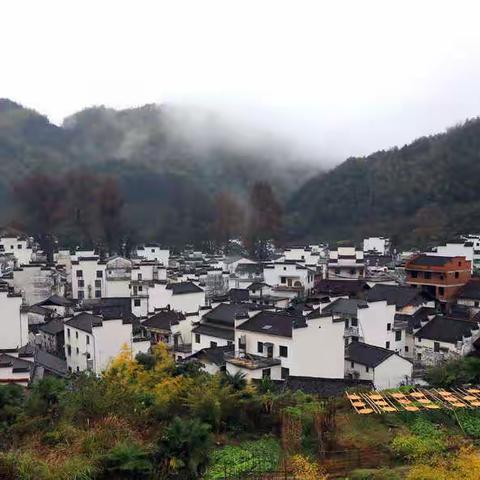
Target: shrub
(414, 448)
(304, 469)
(127, 460)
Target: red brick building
(439, 276)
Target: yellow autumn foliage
(464, 466)
(305, 469)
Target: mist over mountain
(422, 192)
(170, 161)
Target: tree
(110, 206)
(184, 449)
(229, 219)
(42, 208)
(265, 220)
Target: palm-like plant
(128, 460)
(184, 448)
(237, 380)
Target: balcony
(352, 332)
(250, 361)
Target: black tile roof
(85, 322)
(337, 288)
(214, 355)
(51, 363)
(215, 331)
(365, 354)
(181, 288)
(17, 364)
(446, 329)
(396, 295)
(163, 320)
(273, 323)
(56, 300)
(470, 290)
(239, 295)
(53, 327)
(430, 260)
(251, 268)
(226, 313)
(345, 306)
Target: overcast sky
(338, 77)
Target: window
(267, 373)
(419, 356)
(241, 345)
(354, 322)
(87, 339)
(213, 344)
(398, 335)
(346, 323)
(441, 291)
(98, 283)
(352, 364)
(139, 276)
(387, 345)
(79, 273)
(414, 274)
(99, 274)
(69, 350)
(19, 246)
(98, 294)
(136, 302)
(81, 295)
(140, 288)
(406, 349)
(367, 369)
(436, 346)
(81, 283)
(197, 338)
(427, 275)
(152, 250)
(229, 342)
(283, 351)
(283, 280)
(68, 332)
(78, 369)
(419, 339)
(260, 347)
(77, 350)
(389, 326)
(285, 373)
(457, 274)
(70, 369)
(475, 304)
(76, 335)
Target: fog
(334, 78)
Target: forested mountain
(425, 191)
(169, 161)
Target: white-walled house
(444, 338)
(346, 263)
(92, 342)
(379, 245)
(88, 278)
(185, 297)
(368, 322)
(383, 367)
(13, 325)
(154, 252)
(278, 344)
(18, 247)
(289, 279)
(303, 254)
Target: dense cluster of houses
(309, 313)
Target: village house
(345, 263)
(50, 337)
(377, 245)
(93, 341)
(13, 325)
(469, 296)
(289, 279)
(245, 274)
(444, 338)
(383, 367)
(368, 322)
(459, 248)
(154, 252)
(440, 277)
(17, 247)
(279, 344)
(185, 297)
(88, 277)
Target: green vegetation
(420, 193)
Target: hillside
(424, 191)
(170, 161)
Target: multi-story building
(440, 277)
(377, 245)
(13, 325)
(289, 278)
(153, 251)
(18, 247)
(88, 277)
(346, 263)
